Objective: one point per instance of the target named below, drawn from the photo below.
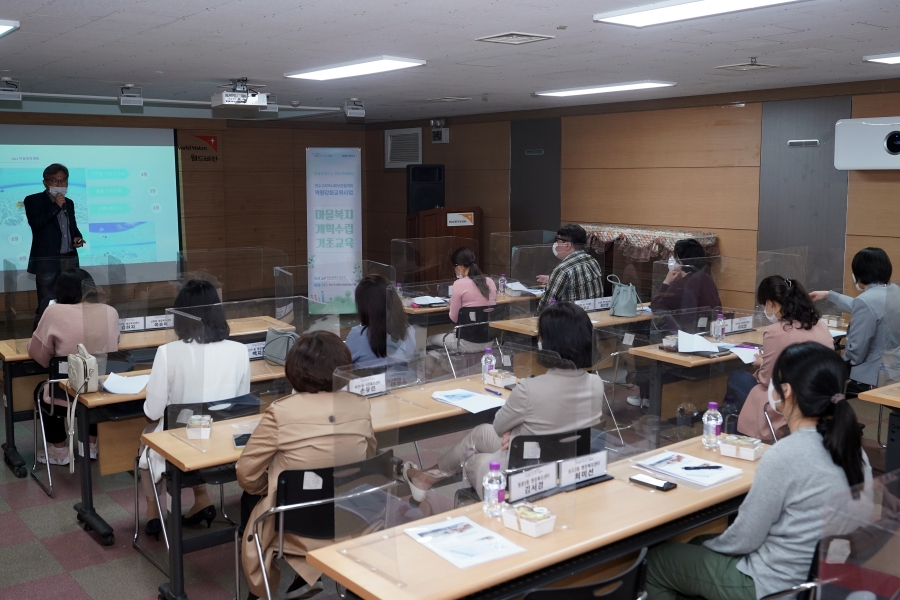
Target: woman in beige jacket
(312, 428)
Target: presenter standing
(55, 235)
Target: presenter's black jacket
(46, 238)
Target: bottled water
(487, 363)
(712, 426)
(494, 491)
(719, 328)
(502, 284)
(730, 425)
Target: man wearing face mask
(578, 276)
(55, 235)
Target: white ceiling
(91, 46)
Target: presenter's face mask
(773, 318)
(773, 400)
(54, 189)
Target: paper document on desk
(469, 400)
(673, 463)
(117, 384)
(688, 342)
(462, 542)
(519, 287)
(747, 355)
(429, 300)
(836, 333)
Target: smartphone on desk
(240, 440)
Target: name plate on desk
(603, 303)
(256, 350)
(742, 323)
(587, 305)
(368, 386)
(595, 303)
(533, 481)
(131, 324)
(583, 468)
(159, 321)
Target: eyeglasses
(57, 181)
(562, 241)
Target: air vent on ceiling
(402, 147)
(515, 38)
(803, 143)
(449, 99)
(750, 66)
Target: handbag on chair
(278, 344)
(83, 378)
(624, 298)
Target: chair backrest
(175, 416)
(625, 586)
(472, 325)
(551, 447)
(341, 518)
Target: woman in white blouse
(202, 366)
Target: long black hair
(201, 318)
(817, 375)
(566, 329)
(463, 257)
(796, 305)
(372, 295)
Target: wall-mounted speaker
(424, 187)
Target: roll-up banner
(334, 227)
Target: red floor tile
(27, 493)
(58, 587)
(14, 530)
(76, 549)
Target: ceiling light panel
(885, 59)
(357, 68)
(605, 89)
(678, 10)
(514, 38)
(7, 26)
(449, 99)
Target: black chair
(807, 590)
(58, 370)
(474, 327)
(346, 504)
(552, 447)
(625, 586)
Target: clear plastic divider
(417, 260)
(243, 272)
(503, 246)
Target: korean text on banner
(334, 227)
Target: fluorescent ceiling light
(679, 10)
(7, 26)
(605, 89)
(367, 66)
(885, 59)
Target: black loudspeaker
(424, 187)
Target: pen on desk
(702, 467)
(495, 392)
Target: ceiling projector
(239, 94)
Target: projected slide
(122, 182)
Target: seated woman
(687, 285)
(312, 428)
(874, 317)
(60, 330)
(471, 289)
(794, 320)
(770, 545)
(559, 401)
(201, 366)
(379, 334)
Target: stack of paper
(463, 542)
(519, 287)
(468, 400)
(688, 342)
(674, 464)
(117, 384)
(747, 355)
(429, 300)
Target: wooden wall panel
(697, 198)
(739, 243)
(876, 105)
(202, 194)
(486, 189)
(203, 233)
(472, 147)
(873, 208)
(259, 150)
(734, 299)
(713, 136)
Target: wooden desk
(593, 525)
(599, 319)
(443, 309)
(889, 396)
(18, 364)
(405, 409)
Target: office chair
(59, 372)
(474, 326)
(625, 586)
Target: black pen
(495, 392)
(702, 467)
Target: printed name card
(604, 303)
(533, 481)
(368, 386)
(595, 303)
(256, 350)
(583, 468)
(587, 305)
(742, 323)
(131, 324)
(159, 321)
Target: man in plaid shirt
(578, 276)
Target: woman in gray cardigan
(770, 545)
(874, 317)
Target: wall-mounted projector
(238, 99)
(129, 95)
(867, 144)
(354, 108)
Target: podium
(460, 221)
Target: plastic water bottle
(712, 426)
(502, 284)
(487, 363)
(494, 491)
(719, 328)
(730, 425)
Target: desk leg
(10, 454)
(657, 369)
(174, 589)
(85, 509)
(892, 454)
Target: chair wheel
(109, 540)
(87, 527)
(21, 472)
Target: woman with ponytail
(794, 320)
(770, 545)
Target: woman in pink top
(795, 319)
(471, 289)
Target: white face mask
(856, 284)
(772, 399)
(673, 264)
(556, 250)
(772, 318)
(57, 190)
(540, 345)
